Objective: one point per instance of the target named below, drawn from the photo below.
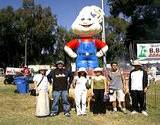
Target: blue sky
(65, 10)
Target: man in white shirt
(138, 82)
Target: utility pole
(103, 34)
(27, 4)
(25, 57)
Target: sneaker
(133, 112)
(79, 114)
(95, 114)
(53, 114)
(124, 111)
(144, 113)
(84, 114)
(114, 109)
(67, 114)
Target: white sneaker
(144, 113)
(133, 112)
(79, 114)
(124, 110)
(114, 109)
(84, 114)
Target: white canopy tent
(150, 60)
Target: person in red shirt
(26, 71)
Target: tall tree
(116, 34)
(144, 19)
(8, 37)
(33, 24)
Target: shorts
(118, 94)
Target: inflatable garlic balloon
(86, 25)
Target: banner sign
(36, 68)
(149, 51)
(12, 70)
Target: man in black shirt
(59, 77)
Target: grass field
(16, 109)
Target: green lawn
(16, 109)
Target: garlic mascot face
(85, 49)
(88, 21)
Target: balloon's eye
(82, 19)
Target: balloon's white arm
(70, 52)
(102, 51)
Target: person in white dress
(79, 82)
(42, 99)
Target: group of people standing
(112, 86)
(58, 79)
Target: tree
(115, 34)
(8, 38)
(34, 24)
(63, 36)
(144, 19)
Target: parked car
(9, 79)
(10, 73)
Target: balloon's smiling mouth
(87, 25)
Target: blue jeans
(64, 96)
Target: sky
(65, 10)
